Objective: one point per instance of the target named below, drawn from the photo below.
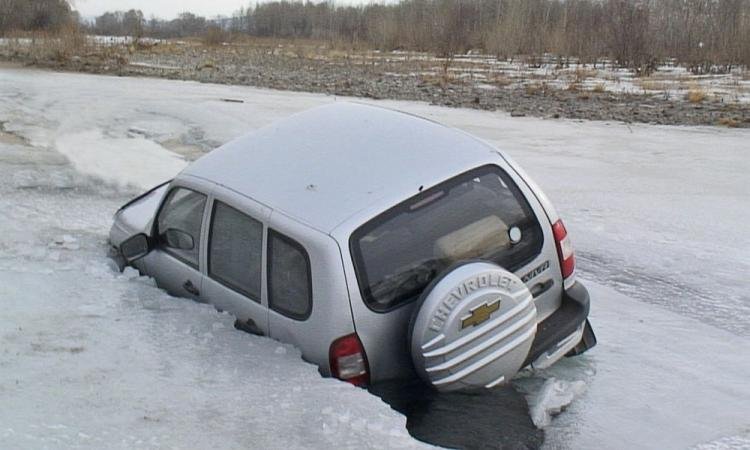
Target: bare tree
(702, 34)
(627, 33)
(133, 23)
(34, 15)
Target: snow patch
(66, 242)
(552, 399)
(125, 161)
(726, 443)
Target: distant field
(549, 86)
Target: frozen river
(92, 358)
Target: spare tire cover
(474, 328)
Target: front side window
(471, 216)
(178, 228)
(235, 250)
(289, 284)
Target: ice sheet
(89, 358)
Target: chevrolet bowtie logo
(480, 314)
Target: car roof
(323, 165)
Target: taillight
(348, 360)
(564, 249)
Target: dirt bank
(465, 83)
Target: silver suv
(380, 244)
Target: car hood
(136, 216)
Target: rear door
(483, 214)
(178, 233)
(307, 294)
(235, 260)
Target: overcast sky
(166, 9)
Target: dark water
(487, 419)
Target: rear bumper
(566, 330)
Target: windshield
(476, 215)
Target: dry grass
(70, 46)
(206, 65)
(332, 53)
(582, 73)
(599, 88)
(573, 87)
(696, 95)
(61, 46)
(536, 88)
(442, 79)
(669, 76)
(729, 122)
(165, 48)
(215, 36)
(611, 76)
(500, 80)
(653, 85)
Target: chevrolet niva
(380, 244)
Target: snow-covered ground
(669, 80)
(92, 39)
(93, 358)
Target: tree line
(35, 15)
(705, 35)
(633, 33)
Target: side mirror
(135, 247)
(178, 239)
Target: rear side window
(471, 216)
(235, 250)
(289, 284)
(183, 212)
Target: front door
(174, 262)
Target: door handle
(540, 288)
(190, 287)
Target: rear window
(471, 216)
(289, 282)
